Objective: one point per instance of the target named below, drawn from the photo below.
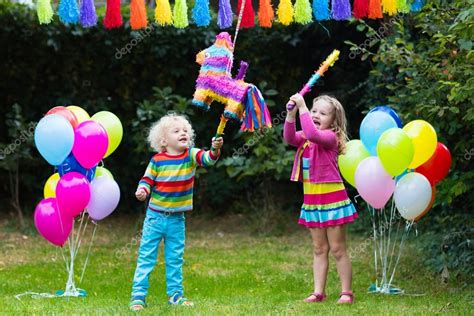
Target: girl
(326, 207)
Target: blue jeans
(170, 228)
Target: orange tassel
(265, 13)
(375, 9)
(138, 17)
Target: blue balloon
(71, 164)
(390, 111)
(372, 127)
(54, 138)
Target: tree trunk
(15, 194)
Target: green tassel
(180, 14)
(44, 11)
(303, 12)
(403, 6)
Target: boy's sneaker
(179, 299)
(137, 303)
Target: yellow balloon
(113, 126)
(49, 189)
(103, 172)
(79, 112)
(424, 140)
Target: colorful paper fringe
(417, 5)
(256, 114)
(375, 9)
(285, 12)
(389, 7)
(321, 10)
(225, 14)
(113, 17)
(265, 13)
(163, 13)
(248, 16)
(303, 14)
(88, 15)
(341, 9)
(180, 14)
(201, 15)
(360, 9)
(138, 16)
(44, 11)
(403, 6)
(68, 11)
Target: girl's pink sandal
(315, 297)
(350, 300)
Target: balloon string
(402, 243)
(81, 235)
(372, 213)
(88, 252)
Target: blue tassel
(417, 5)
(255, 103)
(68, 11)
(201, 15)
(321, 10)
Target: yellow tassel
(163, 14)
(389, 6)
(285, 12)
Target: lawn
(228, 271)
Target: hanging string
(239, 20)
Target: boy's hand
(217, 143)
(141, 194)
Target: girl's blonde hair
(339, 126)
(158, 130)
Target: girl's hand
(217, 143)
(141, 194)
(298, 99)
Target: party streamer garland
(301, 12)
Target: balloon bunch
(390, 159)
(75, 143)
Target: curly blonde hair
(159, 128)
(339, 125)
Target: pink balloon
(73, 193)
(90, 143)
(51, 224)
(373, 183)
(105, 196)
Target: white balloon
(412, 195)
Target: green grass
(228, 271)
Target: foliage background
(421, 64)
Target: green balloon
(395, 150)
(113, 127)
(102, 172)
(348, 163)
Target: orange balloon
(63, 111)
(433, 197)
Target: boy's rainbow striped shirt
(170, 179)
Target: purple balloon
(105, 196)
(51, 224)
(373, 183)
(73, 193)
(90, 143)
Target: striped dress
(324, 204)
(170, 179)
